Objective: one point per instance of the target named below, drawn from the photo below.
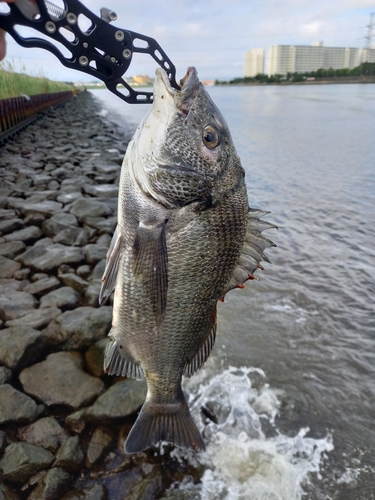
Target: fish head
(183, 146)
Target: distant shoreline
(317, 81)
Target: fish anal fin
(203, 352)
(172, 423)
(151, 262)
(119, 362)
(109, 278)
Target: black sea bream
(185, 237)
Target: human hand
(3, 44)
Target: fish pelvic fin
(151, 263)
(119, 362)
(109, 278)
(204, 351)
(252, 252)
(172, 423)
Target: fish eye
(210, 137)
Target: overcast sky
(214, 35)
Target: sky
(214, 35)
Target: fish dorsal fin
(109, 278)
(119, 362)
(151, 264)
(252, 252)
(203, 352)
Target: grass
(14, 82)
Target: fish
(185, 237)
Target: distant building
(283, 59)
(254, 62)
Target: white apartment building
(302, 58)
(254, 62)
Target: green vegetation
(365, 69)
(13, 83)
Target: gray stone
(76, 421)
(102, 190)
(92, 293)
(9, 285)
(3, 442)
(52, 486)
(107, 226)
(43, 258)
(94, 253)
(64, 298)
(98, 270)
(120, 400)
(149, 488)
(74, 236)
(79, 328)
(34, 219)
(45, 207)
(8, 226)
(6, 375)
(19, 346)
(59, 222)
(43, 285)
(14, 304)
(45, 242)
(27, 235)
(99, 443)
(22, 274)
(7, 493)
(8, 267)
(16, 406)
(74, 281)
(69, 197)
(94, 358)
(87, 207)
(44, 432)
(96, 492)
(36, 319)
(70, 455)
(106, 167)
(84, 271)
(12, 249)
(60, 380)
(22, 460)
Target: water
(289, 390)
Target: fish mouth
(182, 97)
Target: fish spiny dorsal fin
(203, 352)
(151, 263)
(119, 362)
(109, 278)
(252, 252)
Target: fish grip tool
(100, 50)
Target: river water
(288, 394)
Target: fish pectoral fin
(151, 265)
(109, 278)
(252, 252)
(119, 362)
(203, 352)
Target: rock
(76, 421)
(60, 380)
(59, 222)
(69, 197)
(22, 273)
(74, 281)
(64, 298)
(42, 286)
(92, 293)
(16, 406)
(44, 432)
(45, 207)
(120, 400)
(84, 271)
(46, 258)
(14, 304)
(94, 253)
(34, 219)
(72, 236)
(87, 207)
(96, 492)
(99, 443)
(98, 270)
(27, 235)
(70, 455)
(36, 319)
(52, 486)
(149, 488)
(7, 493)
(94, 358)
(8, 267)
(20, 346)
(3, 442)
(6, 374)
(107, 226)
(8, 226)
(79, 328)
(45, 242)
(102, 190)
(11, 249)
(22, 460)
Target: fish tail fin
(172, 423)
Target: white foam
(240, 461)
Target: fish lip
(184, 96)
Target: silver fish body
(185, 237)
